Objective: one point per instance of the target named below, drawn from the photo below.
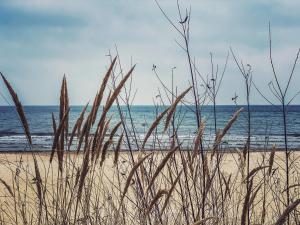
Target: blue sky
(42, 40)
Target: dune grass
(98, 183)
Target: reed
(108, 143)
(19, 109)
(153, 126)
(281, 220)
(161, 166)
(173, 107)
(8, 188)
(118, 148)
(130, 176)
(99, 182)
(159, 194)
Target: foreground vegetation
(97, 183)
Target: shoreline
(228, 150)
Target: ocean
(266, 128)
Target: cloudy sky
(42, 40)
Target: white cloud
(35, 57)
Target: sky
(40, 41)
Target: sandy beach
(110, 178)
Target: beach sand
(23, 165)
(8, 160)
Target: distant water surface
(266, 125)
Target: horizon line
(36, 105)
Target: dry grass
(111, 193)
(141, 187)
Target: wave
(9, 133)
(43, 141)
(266, 120)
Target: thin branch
(272, 64)
(261, 94)
(224, 69)
(168, 19)
(237, 63)
(292, 73)
(293, 97)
